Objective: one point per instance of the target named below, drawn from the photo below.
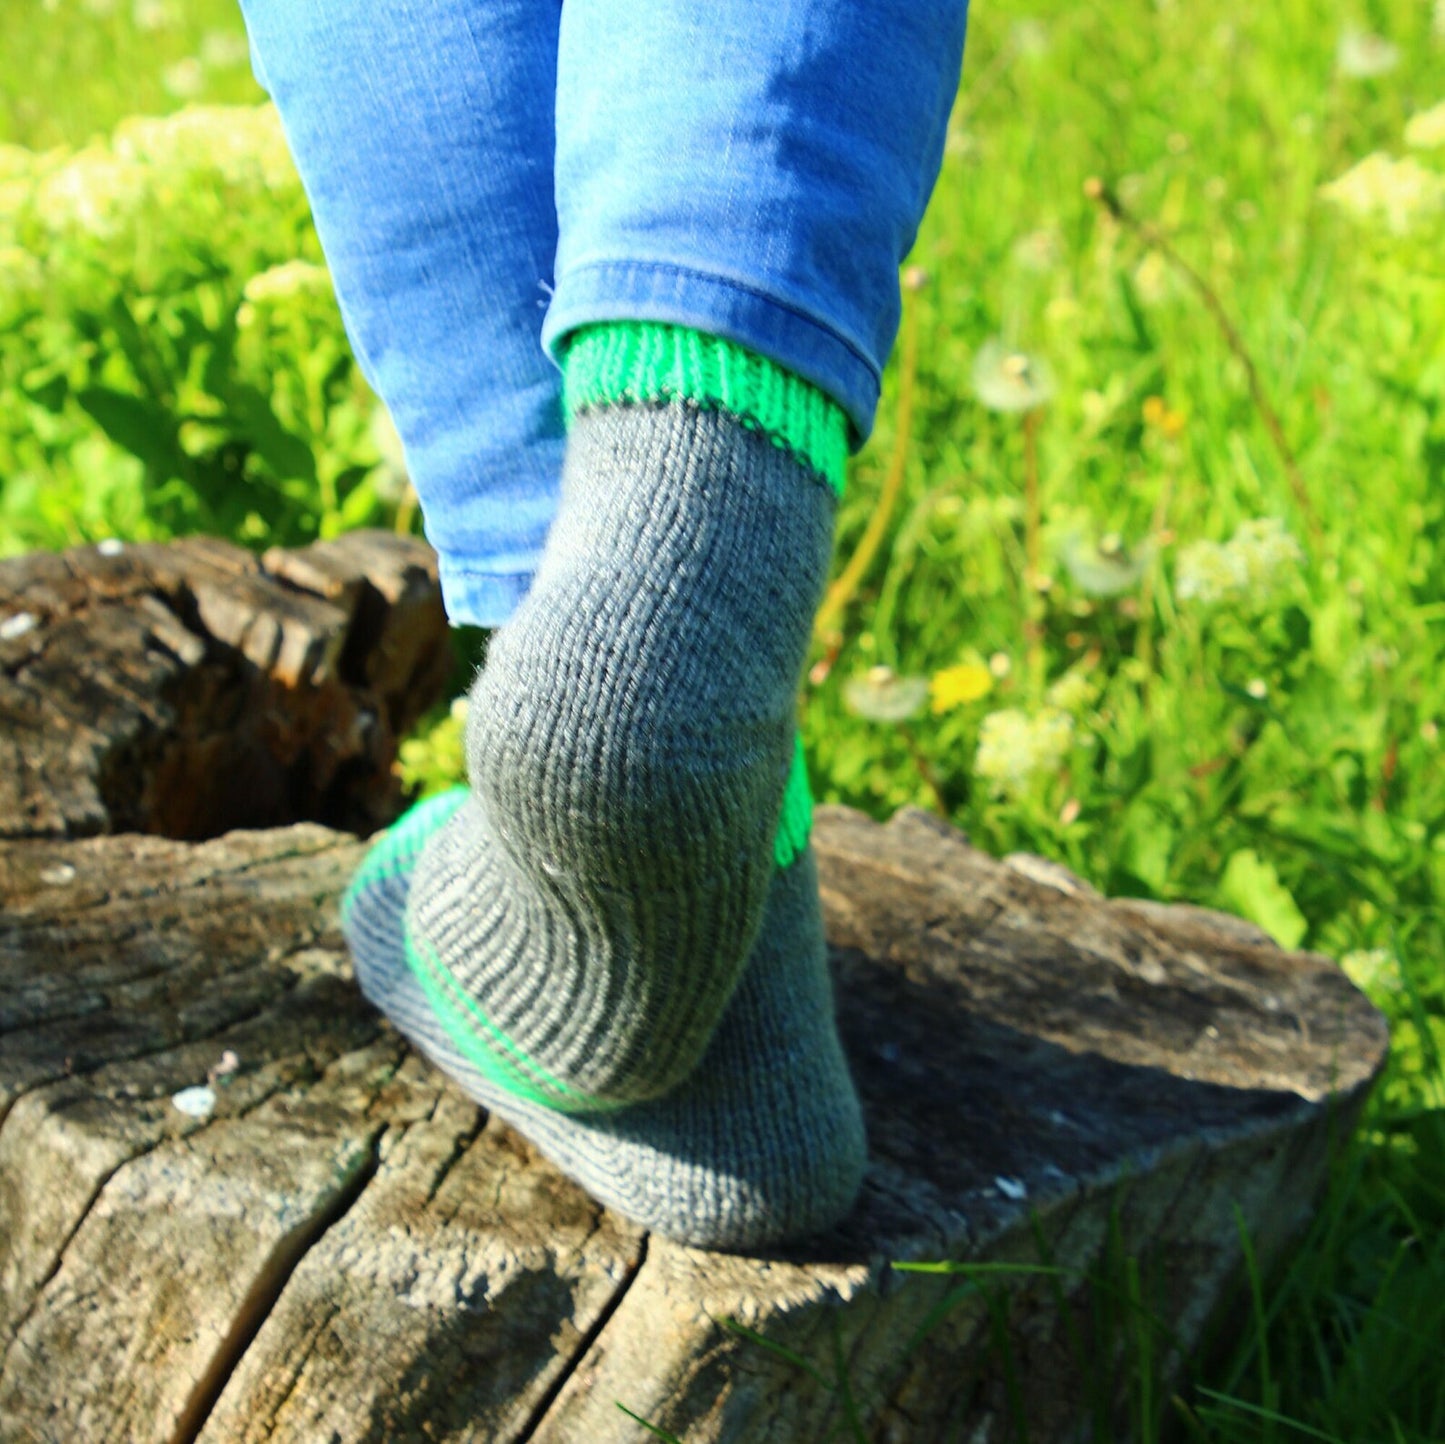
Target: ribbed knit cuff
(623, 362)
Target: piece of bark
(342, 1251)
(190, 688)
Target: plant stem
(405, 511)
(924, 769)
(1033, 597)
(1146, 601)
(841, 592)
(1153, 237)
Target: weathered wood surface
(191, 688)
(344, 1248)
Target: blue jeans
(489, 175)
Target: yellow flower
(957, 685)
(1161, 417)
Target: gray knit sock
(764, 1142)
(589, 917)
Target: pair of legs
(625, 275)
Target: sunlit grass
(1141, 645)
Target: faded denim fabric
(488, 175)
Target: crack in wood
(271, 1280)
(289, 985)
(37, 1292)
(585, 1344)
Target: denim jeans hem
(681, 296)
(481, 599)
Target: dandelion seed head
(1105, 570)
(1010, 380)
(881, 695)
(1039, 251)
(186, 79)
(1362, 55)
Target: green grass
(1276, 753)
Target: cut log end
(234, 1205)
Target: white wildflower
(1363, 56)
(1426, 129)
(1247, 571)
(291, 278)
(1399, 191)
(1375, 970)
(1014, 748)
(1072, 692)
(93, 191)
(243, 144)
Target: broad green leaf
(140, 427)
(1251, 888)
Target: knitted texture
(763, 1144)
(644, 361)
(587, 916)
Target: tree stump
(328, 1241)
(190, 689)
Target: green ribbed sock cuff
(623, 362)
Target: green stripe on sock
(503, 1062)
(396, 851)
(795, 823)
(639, 361)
